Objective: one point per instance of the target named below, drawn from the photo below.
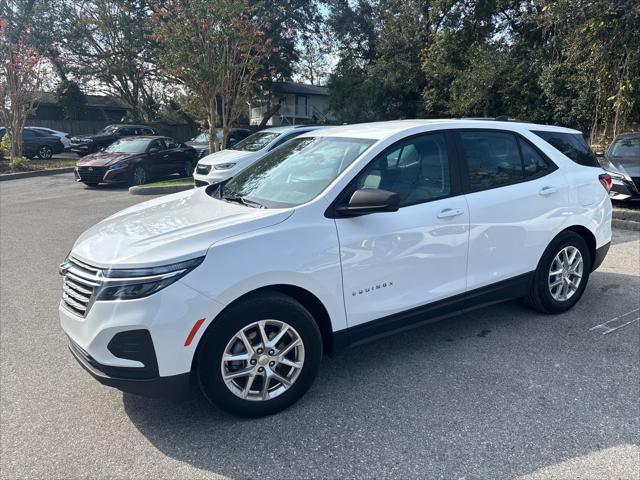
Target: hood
(104, 159)
(199, 145)
(226, 156)
(169, 229)
(92, 136)
(627, 165)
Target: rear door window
(496, 159)
(573, 145)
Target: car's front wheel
(260, 356)
(562, 274)
(140, 175)
(187, 169)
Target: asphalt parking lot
(500, 393)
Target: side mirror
(154, 150)
(370, 200)
(599, 154)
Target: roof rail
(499, 118)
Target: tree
(287, 25)
(71, 98)
(379, 44)
(214, 47)
(109, 44)
(21, 69)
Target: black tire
(98, 148)
(45, 152)
(187, 169)
(540, 297)
(262, 306)
(92, 184)
(140, 176)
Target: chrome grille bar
(81, 281)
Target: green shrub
(5, 147)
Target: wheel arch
(588, 237)
(307, 299)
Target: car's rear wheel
(562, 274)
(187, 169)
(140, 176)
(260, 356)
(45, 152)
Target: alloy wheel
(139, 176)
(262, 360)
(188, 169)
(45, 152)
(565, 274)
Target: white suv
(220, 166)
(337, 237)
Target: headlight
(224, 166)
(127, 284)
(118, 166)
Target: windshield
(128, 145)
(256, 142)
(296, 172)
(202, 138)
(108, 130)
(626, 147)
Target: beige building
(299, 103)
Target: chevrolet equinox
(339, 236)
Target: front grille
(91, 174)
(80, 283)
(203, 169)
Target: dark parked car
(36, 143)
(86, 144)
(201, 142)
(135, 160)
(622, 161)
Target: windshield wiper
(243, 201)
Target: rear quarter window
(572, 145)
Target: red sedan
(135, 161)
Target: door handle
(547, 191)
(450, 212)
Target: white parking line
(614, 324)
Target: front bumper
(102, 175)
(175, 387)
(168, 316)
(213, 177)
(80, 148)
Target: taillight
(606, 181)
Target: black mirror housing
(370, 200)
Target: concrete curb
(626, 214)
(626, 224)
(35, 173)
(142, 190)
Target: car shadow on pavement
(497, 393)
